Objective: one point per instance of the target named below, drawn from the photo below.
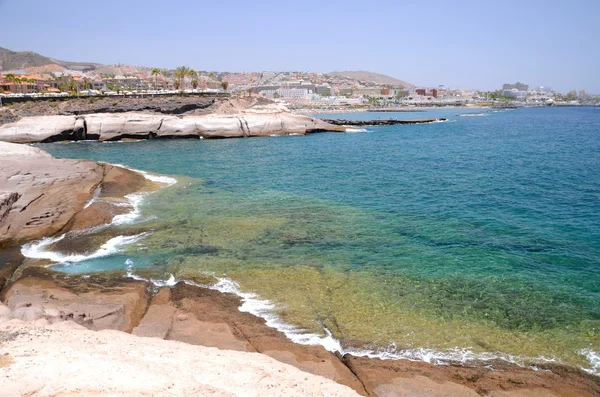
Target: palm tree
(155, 72)
(180, 73)
(194, 77)
(225, 85)
(165, 73)
(9, 77)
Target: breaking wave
(39, 249)
(263, 308)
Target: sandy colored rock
(107, 126)
(158, 319)
(40, 193)
(420, 386)
(206, 312)
(226, 118)
(39, 129)
(58, 360)
(95, 303)
(416, 378)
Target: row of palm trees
(180, 75)
(11, 78)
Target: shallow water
(480, 234)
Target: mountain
(381, 79)
(11, 60)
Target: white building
(514, 93)
(287, 93)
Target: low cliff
(231, 118)
(40, 195)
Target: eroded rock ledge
(229, 119)
(205, 317)
(40, 195)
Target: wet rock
(366, 123)
(50, 191)
(158, 320)
(415, 378)
(93, 302)
(214, 317)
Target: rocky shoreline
(41, 196)
(367, 123)
(153, 118)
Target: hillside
(372, 77)
(18, 60)
(10, 60)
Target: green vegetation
(373, 101)
(181, 73)
(165, 74)
(155, 72)
(571, 95)
(224, 85)
(498, 96)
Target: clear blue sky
(459, 43)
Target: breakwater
(361, 123)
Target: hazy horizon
(466, 44)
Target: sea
(475, 238)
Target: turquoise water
(480, 234)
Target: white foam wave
(167, 180)
(594, 359)
(253, 304)
(151, 177)
(351, 130)
(473, 115)
(170, 282)
(135, 201)
(443, 357)
(94, 197)
(38, 250)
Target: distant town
(307, 91)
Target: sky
(477, 44)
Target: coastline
(153, 118)
(182, 309)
